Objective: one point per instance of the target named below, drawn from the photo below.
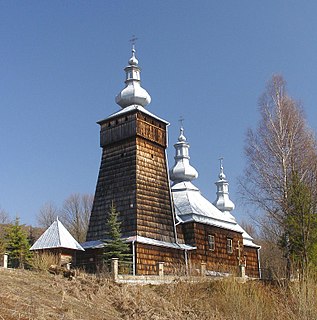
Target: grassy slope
(29, 295)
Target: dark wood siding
(116, 183)
(133, 175)
(252, 263)
(148, 257)
(219, 259)
(154, 217)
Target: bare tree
(4, 220)
(280, 146)
(4, 217)
(249, 228)
(47, 215)
(75, 214)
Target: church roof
(132, 108)
(133, 97)
(182, 170)
(98, 244)
(223, 202)
(56, 236)
(190, 205)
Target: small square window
(229, 245)
(211, 242)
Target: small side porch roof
(56, 236)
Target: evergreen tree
(17, 244)
(301, 223)
(115, 247)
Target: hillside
(27, 295)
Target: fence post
(114, 268)
(5, 260)
(203, 269)
(161, 269)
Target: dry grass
(42, 261)
(29, 295)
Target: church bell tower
(133, 172)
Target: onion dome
(223, 203)
(182, 170)
(133, 93)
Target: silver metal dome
(182, 170)
(133, 93)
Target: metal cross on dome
(221, 162)
(181, 121)
(133, 40)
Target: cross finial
(133, 40)
(221, 174)
(181, 121)
(239, 249)
(221, 162)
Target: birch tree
(280, 146)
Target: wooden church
(163, 222)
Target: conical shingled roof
(56, 236)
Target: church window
(211, 242)
(229, 245)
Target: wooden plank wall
(148, 256)
(154, 214)
(133, 174)
(219, 259)
(117, 183)
(252, 262)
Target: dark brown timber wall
(252, 261)
(133, 175)
(154, 214)
(218, 258)
(148, 257)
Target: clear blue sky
(61, 65)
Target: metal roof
(97, 244)
(159, 243)
(190, 205)
(56, 236)
(133, 93)
(131, 109)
